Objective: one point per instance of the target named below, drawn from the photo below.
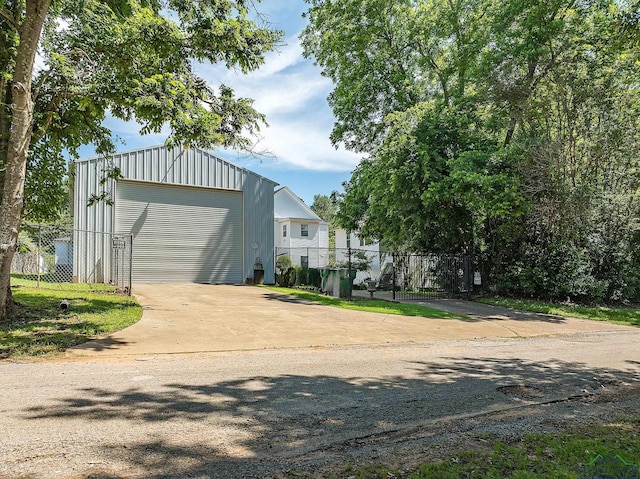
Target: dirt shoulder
(406, 449)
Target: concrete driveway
(190, 318)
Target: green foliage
(535, 456)
(359, 261)
(314, 278)
(283, 263)
(133, 60)
(46, 184)
(324, 207)
(620, 314)
(432, 177)
(372, 306)
(290, 277)
(25, 243)
(506, 130)
(355, 42)
(294, 276)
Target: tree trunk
(18, 146)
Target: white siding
(323, 235)
(341, 238)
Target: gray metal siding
(193, 167)
(181, 234)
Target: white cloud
(290, 94)
(276, 62)
(285, 84)
(305, 144)
(290, 91)
(280, 60)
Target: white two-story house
(299, 232)
(367, 248)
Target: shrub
(308, 277)
(291, 277)
(283, 263)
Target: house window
(304, 230)
(284, 231)
(365, 240)
(304, 261)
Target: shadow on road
(253, 423)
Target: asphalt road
(262, 413)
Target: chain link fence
(328, 269)
(52, 255)
(374, 273)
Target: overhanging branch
(10, 19)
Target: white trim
(303, 205)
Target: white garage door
(181, 234)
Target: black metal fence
(50, 256)
(429, 276)
(399, 276)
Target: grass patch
(369, 305)
(620, 314)
(41, 328)
(539, 456)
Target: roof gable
(286, 204)
(193, 157)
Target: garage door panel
(182, 234)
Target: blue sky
(290, 91)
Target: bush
(315, 278)
(283, 263)
(560, 271)
(297, 275)
(289, 278)
(307, 277)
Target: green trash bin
(346, 283)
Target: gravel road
(305, 412)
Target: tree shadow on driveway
(489, 312)
(286, 298)
(100, 344)
(256, 426)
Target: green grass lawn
(539, 456)
(617, 314)
(369, 305)
(41, 328)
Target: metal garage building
(193, 217)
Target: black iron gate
(429, 276)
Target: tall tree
(127, 58)
(387, 56)
(324, 207)
(509, 129)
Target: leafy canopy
(133, 60)
(504, 129)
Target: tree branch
(10, 19)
